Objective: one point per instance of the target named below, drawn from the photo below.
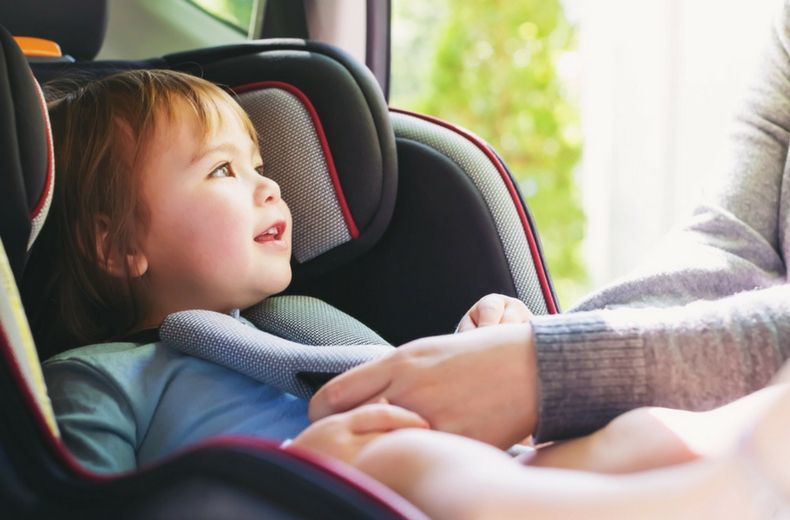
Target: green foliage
(493, 68)
(236, 13)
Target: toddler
(160, 205)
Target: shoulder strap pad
(296, 368)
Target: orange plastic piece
(38, 47)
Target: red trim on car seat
(357, 480)
(486, 149)
(55, 444)
(330, 163)
(50, 166)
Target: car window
(504, 70)
(236, 13)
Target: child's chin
(273, 290)
(285, 282)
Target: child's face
(219, 235)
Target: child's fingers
(380, 417)
(490, 310)
(466, 324)
(515, 312)
(511, 315)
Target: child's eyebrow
(228, 147)
(205, 151)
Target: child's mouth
(273, 232)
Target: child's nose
(266, 191)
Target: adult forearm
(594, 366)
(456, 478)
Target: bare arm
(456, 478)
(453, 477)
(653, 437)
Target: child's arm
(494, 309)
(343, 435)
(96, 421)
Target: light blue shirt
(121, 405)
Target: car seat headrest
(78, 28)
(293, 141)
(325, 134)
(326, 139)
(26, 159)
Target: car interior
(402, 221)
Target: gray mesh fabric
(310, 321)
(472, 161)
(227, 341)
(293, 157)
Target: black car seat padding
(79, 36)
(26, 160)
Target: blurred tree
(236, 13)
(492, 67)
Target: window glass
(503, 70)
(236, 13)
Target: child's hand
(343, 435)
(494, 309)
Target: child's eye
(223, 170)
(259, 169)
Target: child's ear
(110, 259)
(138, 264)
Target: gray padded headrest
(297, 157)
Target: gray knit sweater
(710, 320)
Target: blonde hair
(101, 132)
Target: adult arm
(736, 240)
(452, 477)
(594, 366)
(571, 374)
(675, 352)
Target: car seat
(402, 221)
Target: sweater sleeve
(708, 319)
(596, 365)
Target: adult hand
(343, 435)
(480, 384)
(494, 309)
